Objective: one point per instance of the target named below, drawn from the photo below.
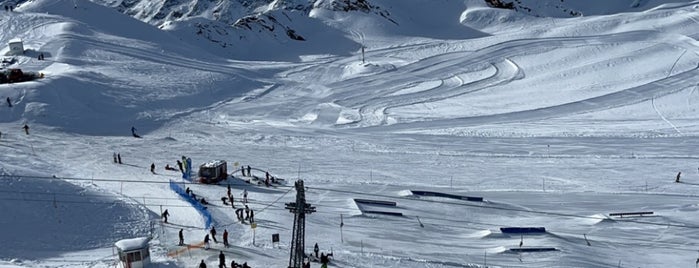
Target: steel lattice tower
(300, 208)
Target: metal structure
(300, 208)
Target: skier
(115, 158)
(247, 212)
(181, 238)
(249, 174)
(26, 129)
(252, 215)
(316, 249)
(202, 264)
(9, 103)
(165, 215)
(119, 158)
(245, 196)
(206, 242)
(152, 168)
(213, 233)
(678, 177)
(242, 171)
(225, 238)
(221, 260)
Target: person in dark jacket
(119, 158)
(678, 177)
(26, 129)
(206, 242)
(181, 238)
(213, 234)
(165, 215)
(152, 168)
(316, 250)
(202, 264)
(221, 260)
(9, 103)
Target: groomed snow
(555, 121)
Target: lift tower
(300, 208)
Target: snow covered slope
(555, 120)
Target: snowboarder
(165, 215)
(213, 233)
(316, 250)
(678, 177)
(26, 129)
(206, 242)
(133, 132)
(9, 102)
(152, 168)
(245, 196)
(119, 157)
(202, 264)
(221, 260)
(179, 165)
(181, 238)
(225, 238)
(115, 158)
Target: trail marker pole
(418, 220)
(342, 223)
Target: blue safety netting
(195, 203)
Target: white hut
(16, 47)
(134, 252)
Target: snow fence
(195, 203)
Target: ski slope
(555, 121)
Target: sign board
(253, 225)
(275, 238)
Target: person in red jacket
(225, 238)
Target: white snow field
(555, 121)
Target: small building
(16, 47)
(213, 172)
(134, 252)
